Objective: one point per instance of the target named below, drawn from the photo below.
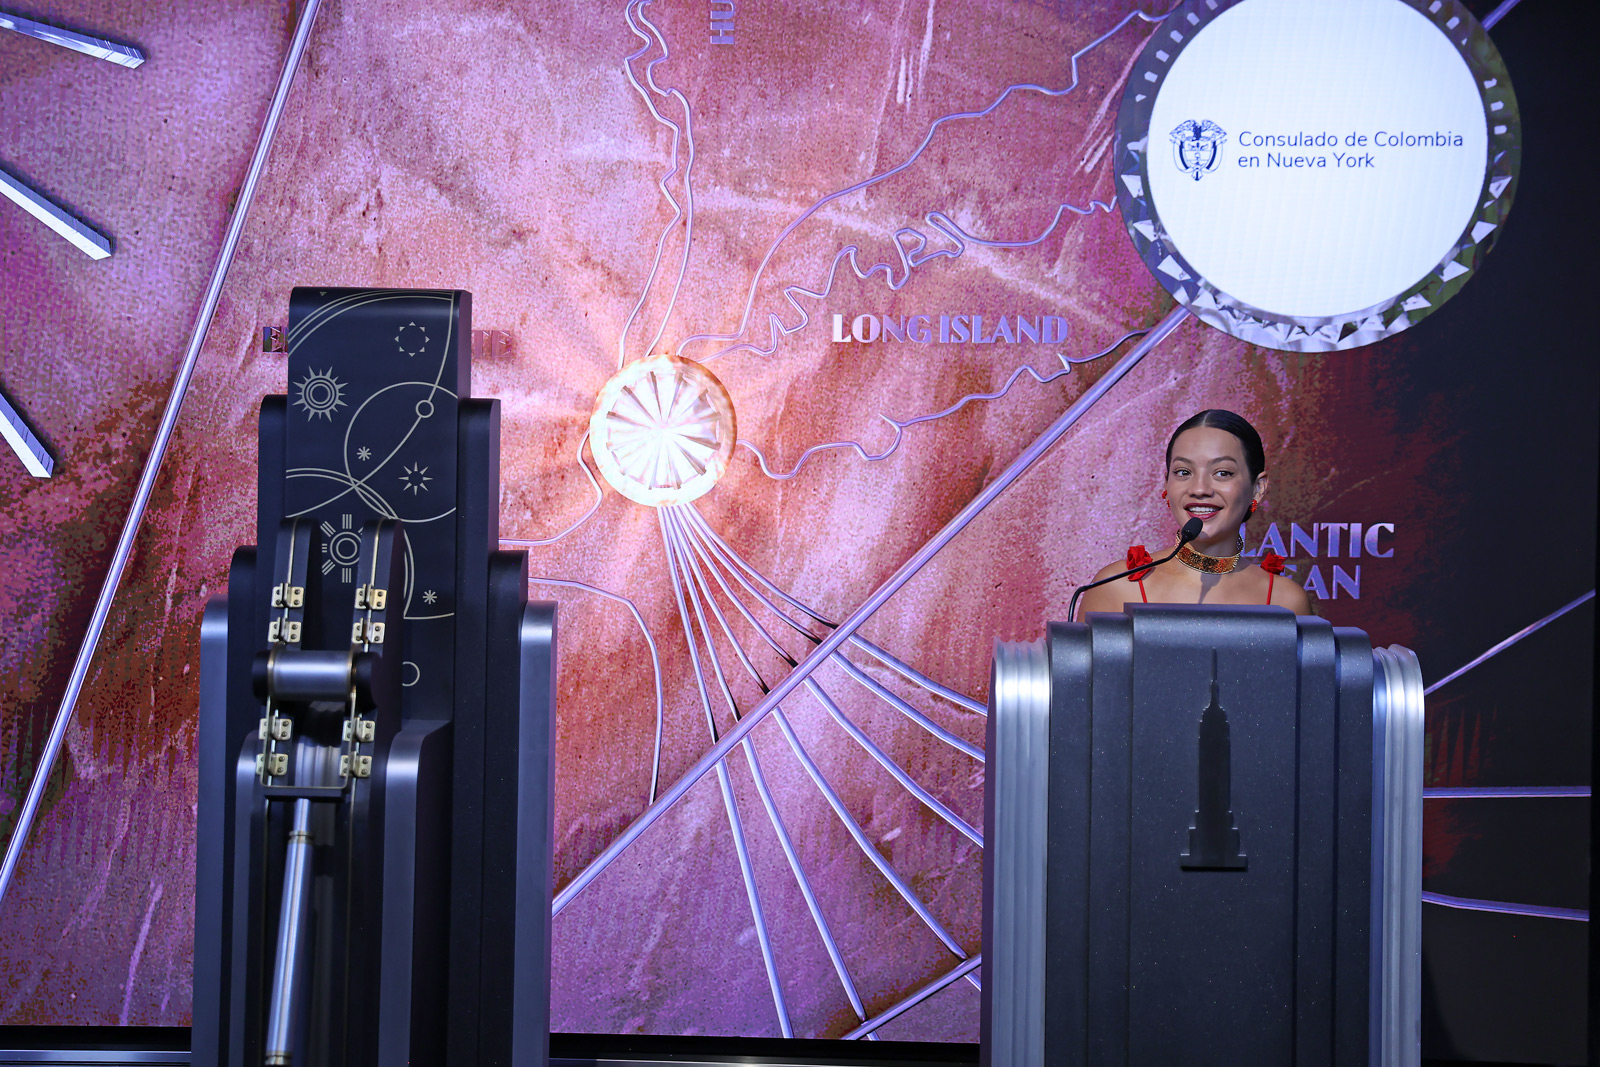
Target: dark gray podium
(1204, 844)
(377, 715)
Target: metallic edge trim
(1397, 723)
(1021, 765)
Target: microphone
(1190, 531)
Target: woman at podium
(1216, 472)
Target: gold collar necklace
(1210, 564)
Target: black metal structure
(1204, 843)
(376, 722)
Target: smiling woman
(1216, 472)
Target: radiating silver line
(904, 670)
(878, 690)
(1526, 631)
(121, 54)
(1500, 907)
(692, 592)
(655, 659)
(746, 868)
(688, 633)
(859, 835)
(814, 689)
(767, 800)
(754, 896)
(73, 230)
(834, 801)
(961, 970)
(20, 436)
(880, 596)
(158, 450)
(850, 668)
(812, 904)
(686, 553)
(696, 542)
(887, 762)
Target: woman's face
(1208, 480)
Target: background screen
(609, 181)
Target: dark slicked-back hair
(1255, 457)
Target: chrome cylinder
(1018, 755)
(310, 675)
(1397, 779)
(294, 940)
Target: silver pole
(294, 939)
(152, 465)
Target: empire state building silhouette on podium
(1213, 838)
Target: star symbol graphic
(363, 453)
(415, 479)
(429, 596)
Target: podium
(377, 710)
(1204, 830)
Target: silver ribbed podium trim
(1397, 774)
(1020, 721)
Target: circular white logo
(1316, 176)
(662, 431)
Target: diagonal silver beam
(1526, 631)
(815, 773)
(908, 783)
(729, 802)
(1502, 792)
(690, 540)
(121, 54)
(876, 600)
(1498, 13)
(69, 227)
(736, 563)
(158, 451)
(21, 438)
(767, 799)
(961, 970)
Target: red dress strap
(1273, 564)
(1138, 557)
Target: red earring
(1253, 505)
(1163, 494)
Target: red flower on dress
(1138, 557)
(1272, 563)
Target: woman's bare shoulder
(1111, 596)
(1114, 567)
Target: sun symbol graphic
(320, 394)
(363, 453)
(429, 596)
(412, 339)
(415, 478)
